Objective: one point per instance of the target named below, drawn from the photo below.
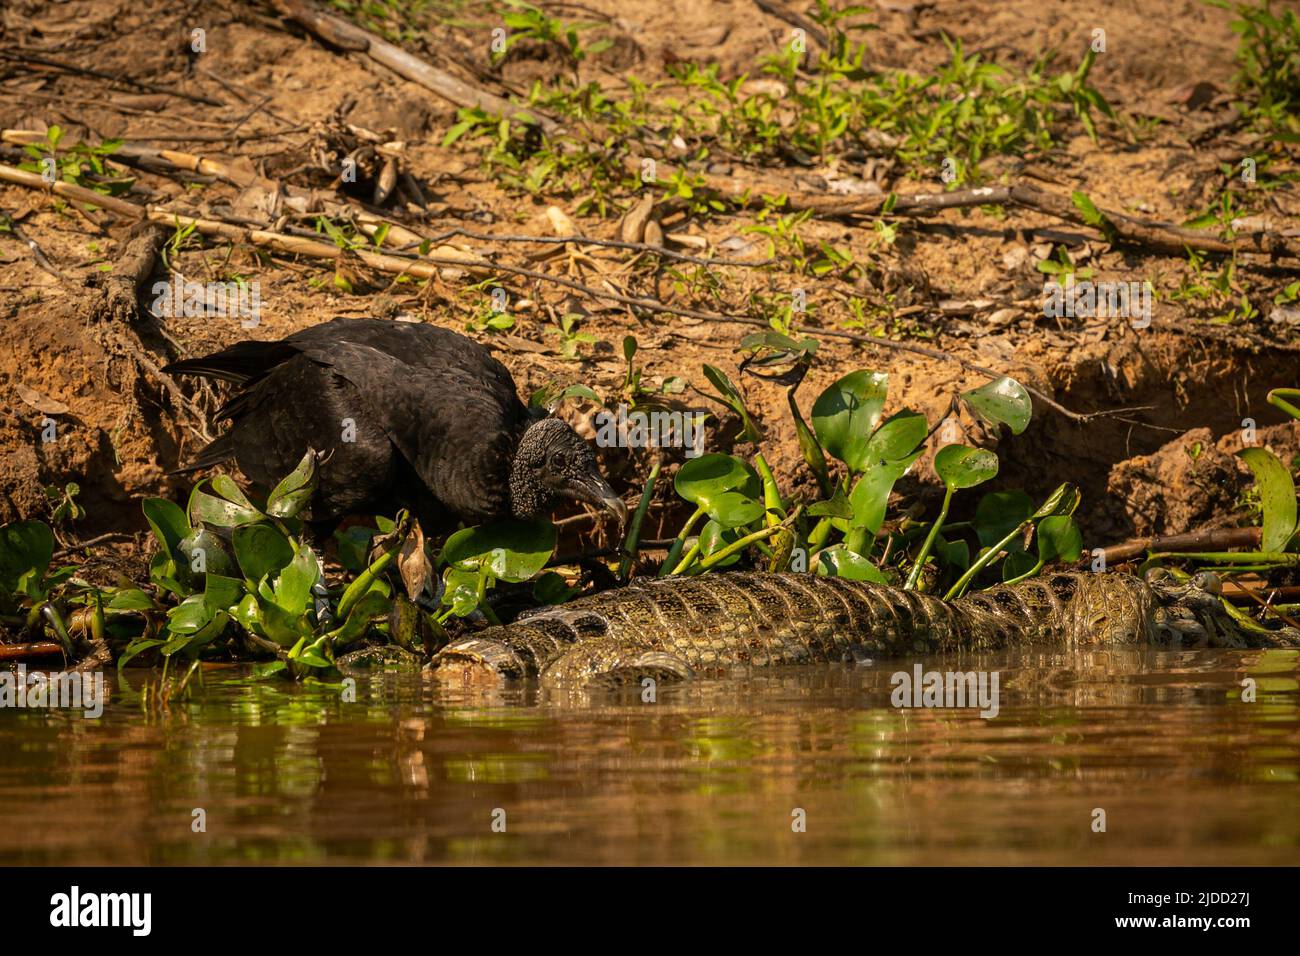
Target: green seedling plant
(83, 164)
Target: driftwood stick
(121, 287)
(794, 18)
(1216, 539)
(344, 36)
(29, 56)
(1153, 235)
(19, 652)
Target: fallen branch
(18, 652)
(30, 56)
(1216, 539)
(794, 18)
(344, 36)
(121, 287)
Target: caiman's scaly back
(672, 627)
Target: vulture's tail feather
(239, 363)
(220, 449)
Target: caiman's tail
(673, 627)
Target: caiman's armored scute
(673, 627)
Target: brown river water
(714, 771)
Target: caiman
(671, 628)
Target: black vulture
(402, 415)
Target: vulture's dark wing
(454, 423)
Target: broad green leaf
(220, 512)
(225, 486)
(201, 552)
(1059, 539)
(702, 479)
(845, 415)
(717, 536)
(461, 593)
(167, 520)
(354, 546)
(1016, 564)
(294, 491)
(999, 513)
(508, 550)
(897, 437)
(1276, 496)
(292, 589)
(261, 549)
(731, 509)
(190, 616)
(26, 550)
(840, 562)
(137, 647)
(129, 599)
(222, 592)
(960, 466)
(837, 507)
(1003, 400)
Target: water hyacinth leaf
(138, 647)
(167, 521)
(222, 592)
(461, 592)
(837, 507)
(353, 546)
(1018, 563)
(26, 550)
(1063, 501)
(840, 562)
(701, 479)
(999, 513)
(870, 494)
(314, 654)
(201, 552)
(1276, 497)
(1003, 400)
(162, 572)
(717, 536)
(731, 509)
(190, 616)
(897, 438)
(260, 550)
(225, 486)
(955, 554)
(508, 550)
(129, 599)
(175, 644)
(730, 396)
(221, 512)
(552, 588)
(292, 589)
(1059, 539)
(294, 491)
(371, 605)
(846, 414)
(960, 466)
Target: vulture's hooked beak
(595, 490)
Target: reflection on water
(711, 773)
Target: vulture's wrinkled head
(553, 463)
